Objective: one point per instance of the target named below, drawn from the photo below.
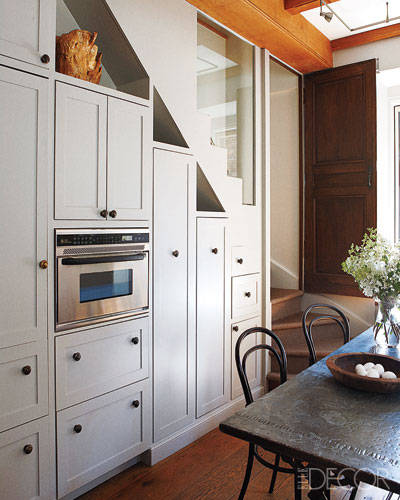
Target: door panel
(26, 30)
(173, 349)
(80, 170)
(212, 358)
(23, 193)
(129, 156)
(340, 171)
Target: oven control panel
(84, 239)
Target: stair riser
(296, 364)
(295, 336)
(283, 309)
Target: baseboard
(196, 430)
(282, 277)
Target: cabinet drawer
(25, 462)
(101, 360)
(244, 260)
(246, 296)
(253, 365)
(23, 388)
(97, 436)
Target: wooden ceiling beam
(266, 24)
(297, 6)
(366, 37)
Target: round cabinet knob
(28, 448)
(240, 261)
(135, 340)
(26, 370)
(45, 59)
(43, 264)
(248, 294)
(77, 428)
(175, 253)
(135, 403)
(77, 356)
(215, 250)
(113, 214)
(235, 328)
(104, 213)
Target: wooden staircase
(286, 323)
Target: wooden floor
(211, 468)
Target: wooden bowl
(342, 367)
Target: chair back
(326, 311)
(241, 360)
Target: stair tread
(276, 376)
(279, 295)
(294, 321)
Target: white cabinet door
(97, 361)
(23, 194)
(26, 30)
(24, 388)
(253, 365)
(80, 153)
(25, 462)
(212, 360)
(129, 160)
(173, 341)
(95, 437)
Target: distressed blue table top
(314, 418)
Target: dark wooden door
(340, 171)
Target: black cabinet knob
(113, 214)
(77, 356)
(175, 253)
(214, 251)
(235, 328)
(104, 213)
(240, 261)
(45, 59)
(248, 294)
(77, 428)
(28, 448)
(135, 340)
(26, 370)
(135, 403)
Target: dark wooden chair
(326, 311)
(254, 449)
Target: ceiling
(355, 13)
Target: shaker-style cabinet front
(23, 194)
(102, 156)
(26, 31)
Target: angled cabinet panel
(80, 153)
(23, 193)
(129, 160)
(212, 347)
(26, 31)
(173, 344)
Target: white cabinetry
(173, 335)
(24, 462)
(246, 296)
(103, 156)
(23, 194)
(97, 436)
(212, 348)
(26, 31)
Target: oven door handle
(79, 261)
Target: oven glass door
(93, 287)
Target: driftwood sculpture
(78, 56)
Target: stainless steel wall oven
(101, 275)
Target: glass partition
(225, 91)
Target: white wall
(388, 52)
(284, 148)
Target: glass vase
(387, 324)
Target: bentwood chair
(324, 311)
(254, 449)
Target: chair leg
(274, 473)
(297, 485)
(247, 475)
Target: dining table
(314, 420)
